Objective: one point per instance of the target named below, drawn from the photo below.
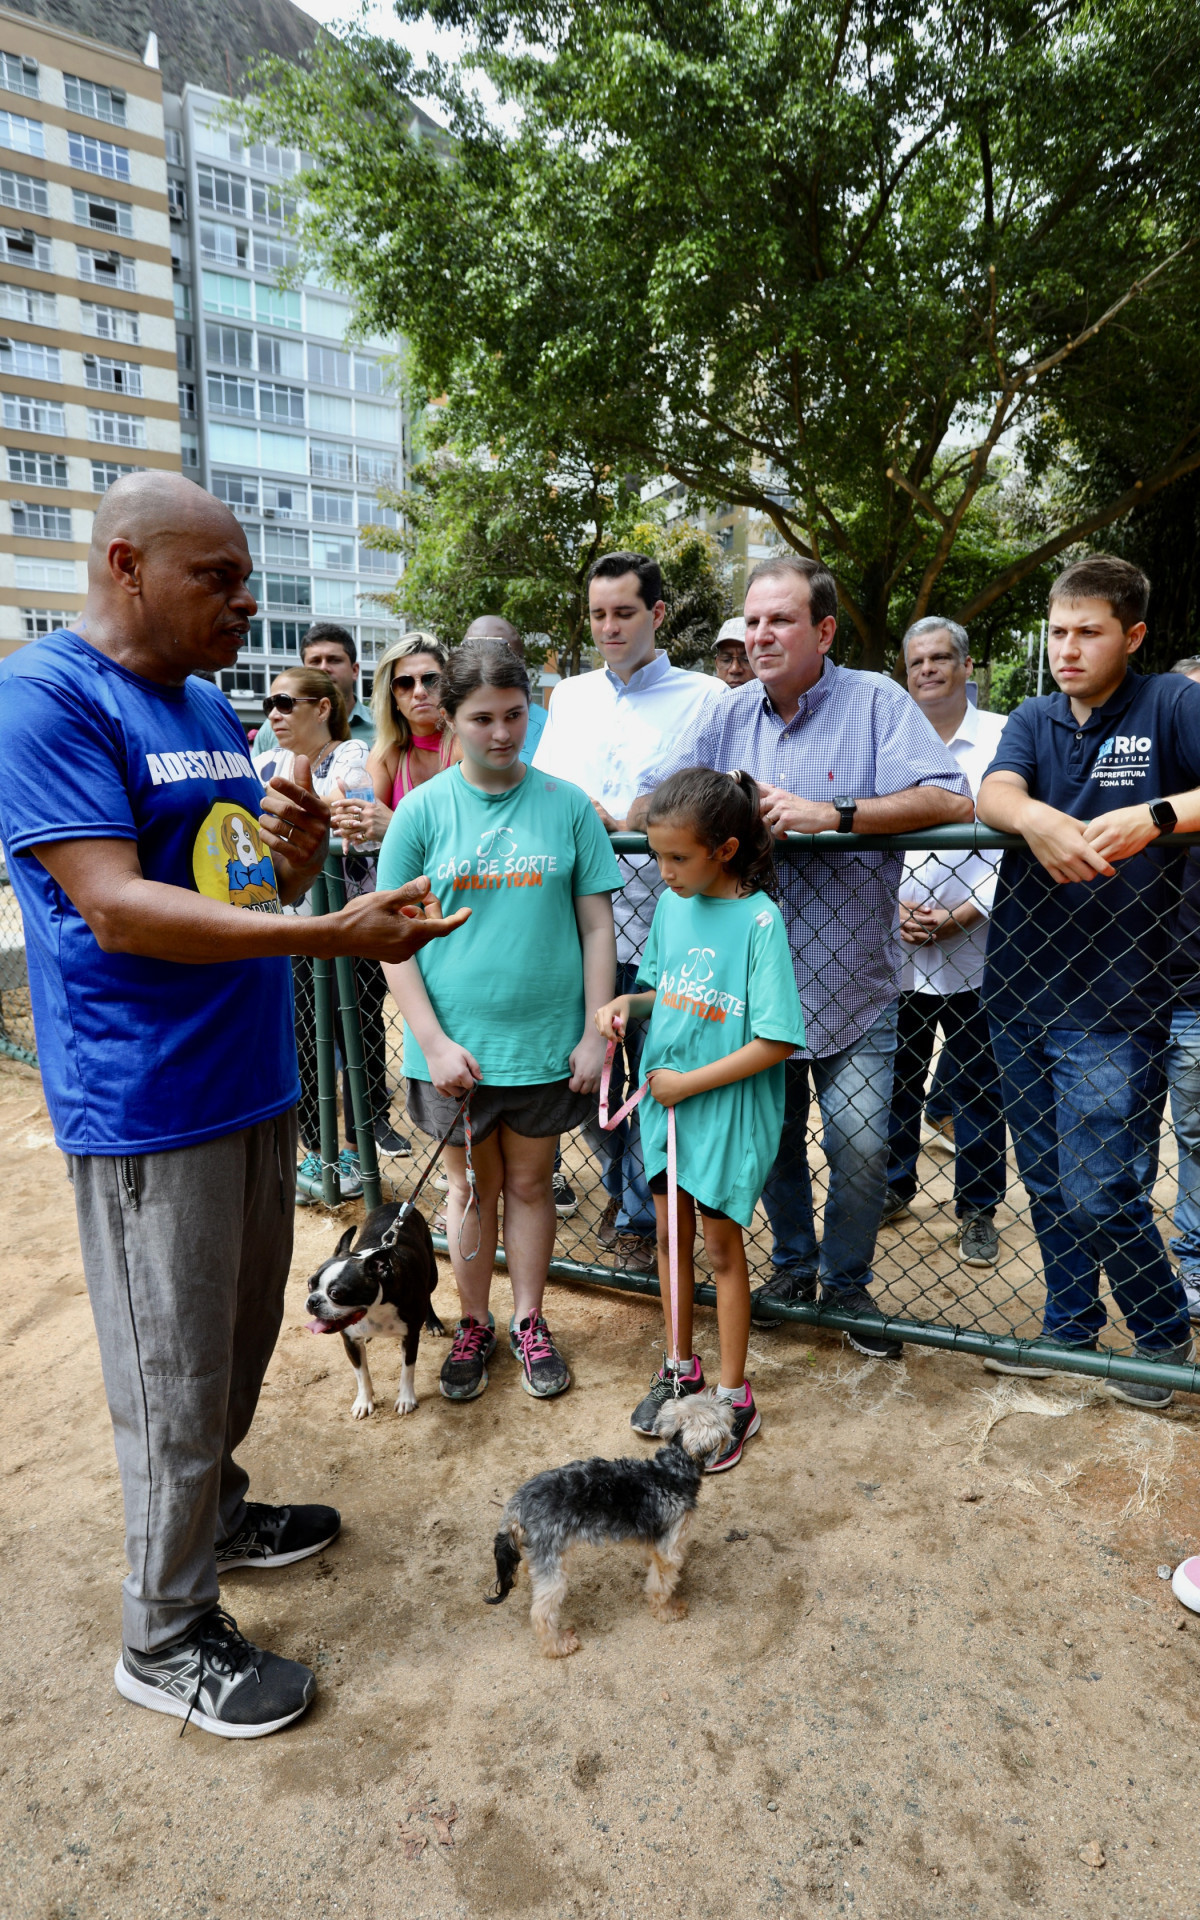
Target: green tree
(826, 260)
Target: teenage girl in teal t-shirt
(509, 1023)
(724, 1016)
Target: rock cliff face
(207, 42)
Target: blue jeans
(972, 1087)
(854, 1093)
(1083, 1110)
(624, 1175)
(1183, 1077)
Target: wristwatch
(848, 808)
(1162, 813)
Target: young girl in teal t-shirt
(724, 1016)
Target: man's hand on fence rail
(389, 926)
(1057, 840)
(1122, 833)
(294, 822)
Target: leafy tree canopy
(826, 260)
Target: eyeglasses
(288, 702)
(405, 682)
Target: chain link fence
(16, 1015)
(1074, 1156)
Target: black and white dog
(378, 1289)
(650, 1502)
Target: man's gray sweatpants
(186, 1256)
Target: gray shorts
(537, 1112)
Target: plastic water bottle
(359, 791)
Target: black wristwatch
(848, 808)
(1162, 813)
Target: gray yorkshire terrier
(592, 1501)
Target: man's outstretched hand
(390, 926)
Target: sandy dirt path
(925, 1665)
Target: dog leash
(672, 1192)
(393, 1233)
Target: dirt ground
(929, 1661)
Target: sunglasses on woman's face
(405, 682)
(288, 702)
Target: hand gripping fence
(1082, 1147)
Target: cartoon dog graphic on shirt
(231, 862)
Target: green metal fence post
(327, 1087)
(356, 1060)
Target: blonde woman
(412, 740)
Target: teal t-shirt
(722, 975)
(508, 985)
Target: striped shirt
(857, 734)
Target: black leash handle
(393, 1233)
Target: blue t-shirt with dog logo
(140, 1055)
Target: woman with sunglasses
(308, 716)
(412, 740)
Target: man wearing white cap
(729, 655)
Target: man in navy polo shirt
(1077, 982)
(152, 869)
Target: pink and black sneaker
(662, 1389)
(543, 1369)
(464, 1370)
(746, 1423)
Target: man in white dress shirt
(603, 731)
(945, 902)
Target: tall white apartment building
(282, 418)
(88, 386)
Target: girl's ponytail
(720, 807)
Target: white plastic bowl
(1185, 1583)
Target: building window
(229, 346)
(329, 413)
(336, 509)
(112, 376)
(274, 256)
(47, 576)
(185, 352)
(98, 156)
(287, 590)
(377, 469)
(334, 598)
(116, 429)
(329, 461)
(227, 246)
(284, 636)
(371, 514)
(176, 200)
(187, 400)
(329, 367)
(189, 450)
(334, 554)
(22, 303)
(372, 560)
(284, 503)
(107, 216)
(224, 294)
(273, 208)
(238, 491)
(244, 679)
(289, 544)
(281, 357)
(368, 375)
(19, 74)
(281, 403)
(41, 523)
(30, 360)
(229, 394)
(276, 307)
(33, 416)
(101, 103)
(281, 161)
(32, 469)
(39, 621)
(22, 191)
(106, 269)
(223, 192)
(106, 473)
(173, 140)
(21, 247)
(109, 323)
(22, 135)
(183, 300)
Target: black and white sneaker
(978, 1241)
(388, 1141)
(217, 1679)
(276, 1536)
(565, 1203)
(876, 1346)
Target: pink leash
(672, 1189)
